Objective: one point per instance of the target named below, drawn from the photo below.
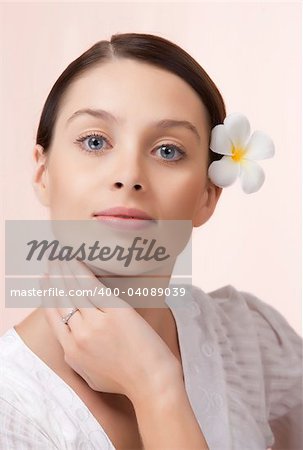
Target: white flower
(232, 139)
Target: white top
(243, 374)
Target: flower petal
(259, 146)
(252, 176)
(220, 141)
(238, 128)
(224, 172)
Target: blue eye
(93, 142)
(168, 152)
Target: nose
(128, 171)
(120, 185)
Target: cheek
(69, 189)
(181, 194)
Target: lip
(133, 219)
(131, 213)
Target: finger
(61, 331)
(72, 283)
(92, 282)
(86, 308)
(87, 280)
(66, 304)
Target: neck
(36, 331)
(144, 292)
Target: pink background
(251, 51)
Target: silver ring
(66, 318)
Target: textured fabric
(243, 374)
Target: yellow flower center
(237, 153)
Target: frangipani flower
(232, 139)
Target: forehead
(134, 90)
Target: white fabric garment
(243, 374)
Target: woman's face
(134, 143)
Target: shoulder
(257, 331)
(229, 302)
(238, 310)
(17, 360)
(23, 423)
(27, 384)
(37, 408)
(22, 373)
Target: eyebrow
(164, 123)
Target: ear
(40, 177)
(207, 203)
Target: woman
(128, 125)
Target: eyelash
(81, 139)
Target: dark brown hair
(141, 47)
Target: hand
(113, 348)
